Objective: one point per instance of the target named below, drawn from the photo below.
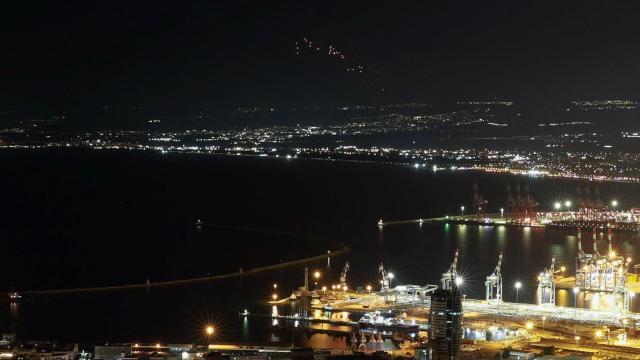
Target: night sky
(62, 55)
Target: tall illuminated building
(445, 316)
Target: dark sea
(86, 218)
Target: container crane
(452, 274)
(547, 285)
(385, 278)
(343, 275)
(494, 284)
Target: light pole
(567, 204)
(614, 204)
(501, 212)
(518, 286)
(209, 330)
(557, 206)
(598, 334)
(461, 211)
(316, 275)
(390, 276)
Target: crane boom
(343, 275)
(385, 278)
(497, 270)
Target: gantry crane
(343, 275)
(451, 276)
(385, 279)
(494, 284)
(479, 203)
(547, 285)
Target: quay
(499, 220)
(307, 319)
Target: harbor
(404, 311)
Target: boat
(381, 320)
(14, 296)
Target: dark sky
(62, 54)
